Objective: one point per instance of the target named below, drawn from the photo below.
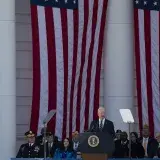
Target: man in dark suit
(76, 144)
(102, 124)
(149, 143)
(39, 139)
(75, 140)
(52, 144)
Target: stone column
(7, 80)
(119, 60)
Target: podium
(96, 146)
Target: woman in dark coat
(121, 146)
(137, 150)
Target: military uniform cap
(145, 126)
(30, 134)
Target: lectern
(96, 146)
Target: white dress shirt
(75, 145)
(50, 144)
(31, 144)
(103, 121)
(145, 140)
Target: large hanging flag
(67, 52)
(147, 53)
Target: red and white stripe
(147, 49)
(67, 52)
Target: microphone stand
(129, 139)
(45, 139)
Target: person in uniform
(30, 149)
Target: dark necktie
(101, 125)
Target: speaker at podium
(96, 145)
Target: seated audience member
(158, 145)
(30, 149)
(39, 139)
(75, 141)
(118, 135)
(65, 151)
(51, 145)
(149, 143)
(137, 150)
(121, 146)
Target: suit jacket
(49, 151)
(39, 139)
(137, 150)
(121, 150)
(108, 127)
(151, 147)
(158, 152)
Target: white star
(137, 1)
(155, 3)
(56, 0)
(66, 1)
(74, 1)
(145, 2)
(45, 0)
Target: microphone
(97, 126)
(92, 129)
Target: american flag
(147, 53)
(67, 52)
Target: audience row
(141, 147)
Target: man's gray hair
(101, 108)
